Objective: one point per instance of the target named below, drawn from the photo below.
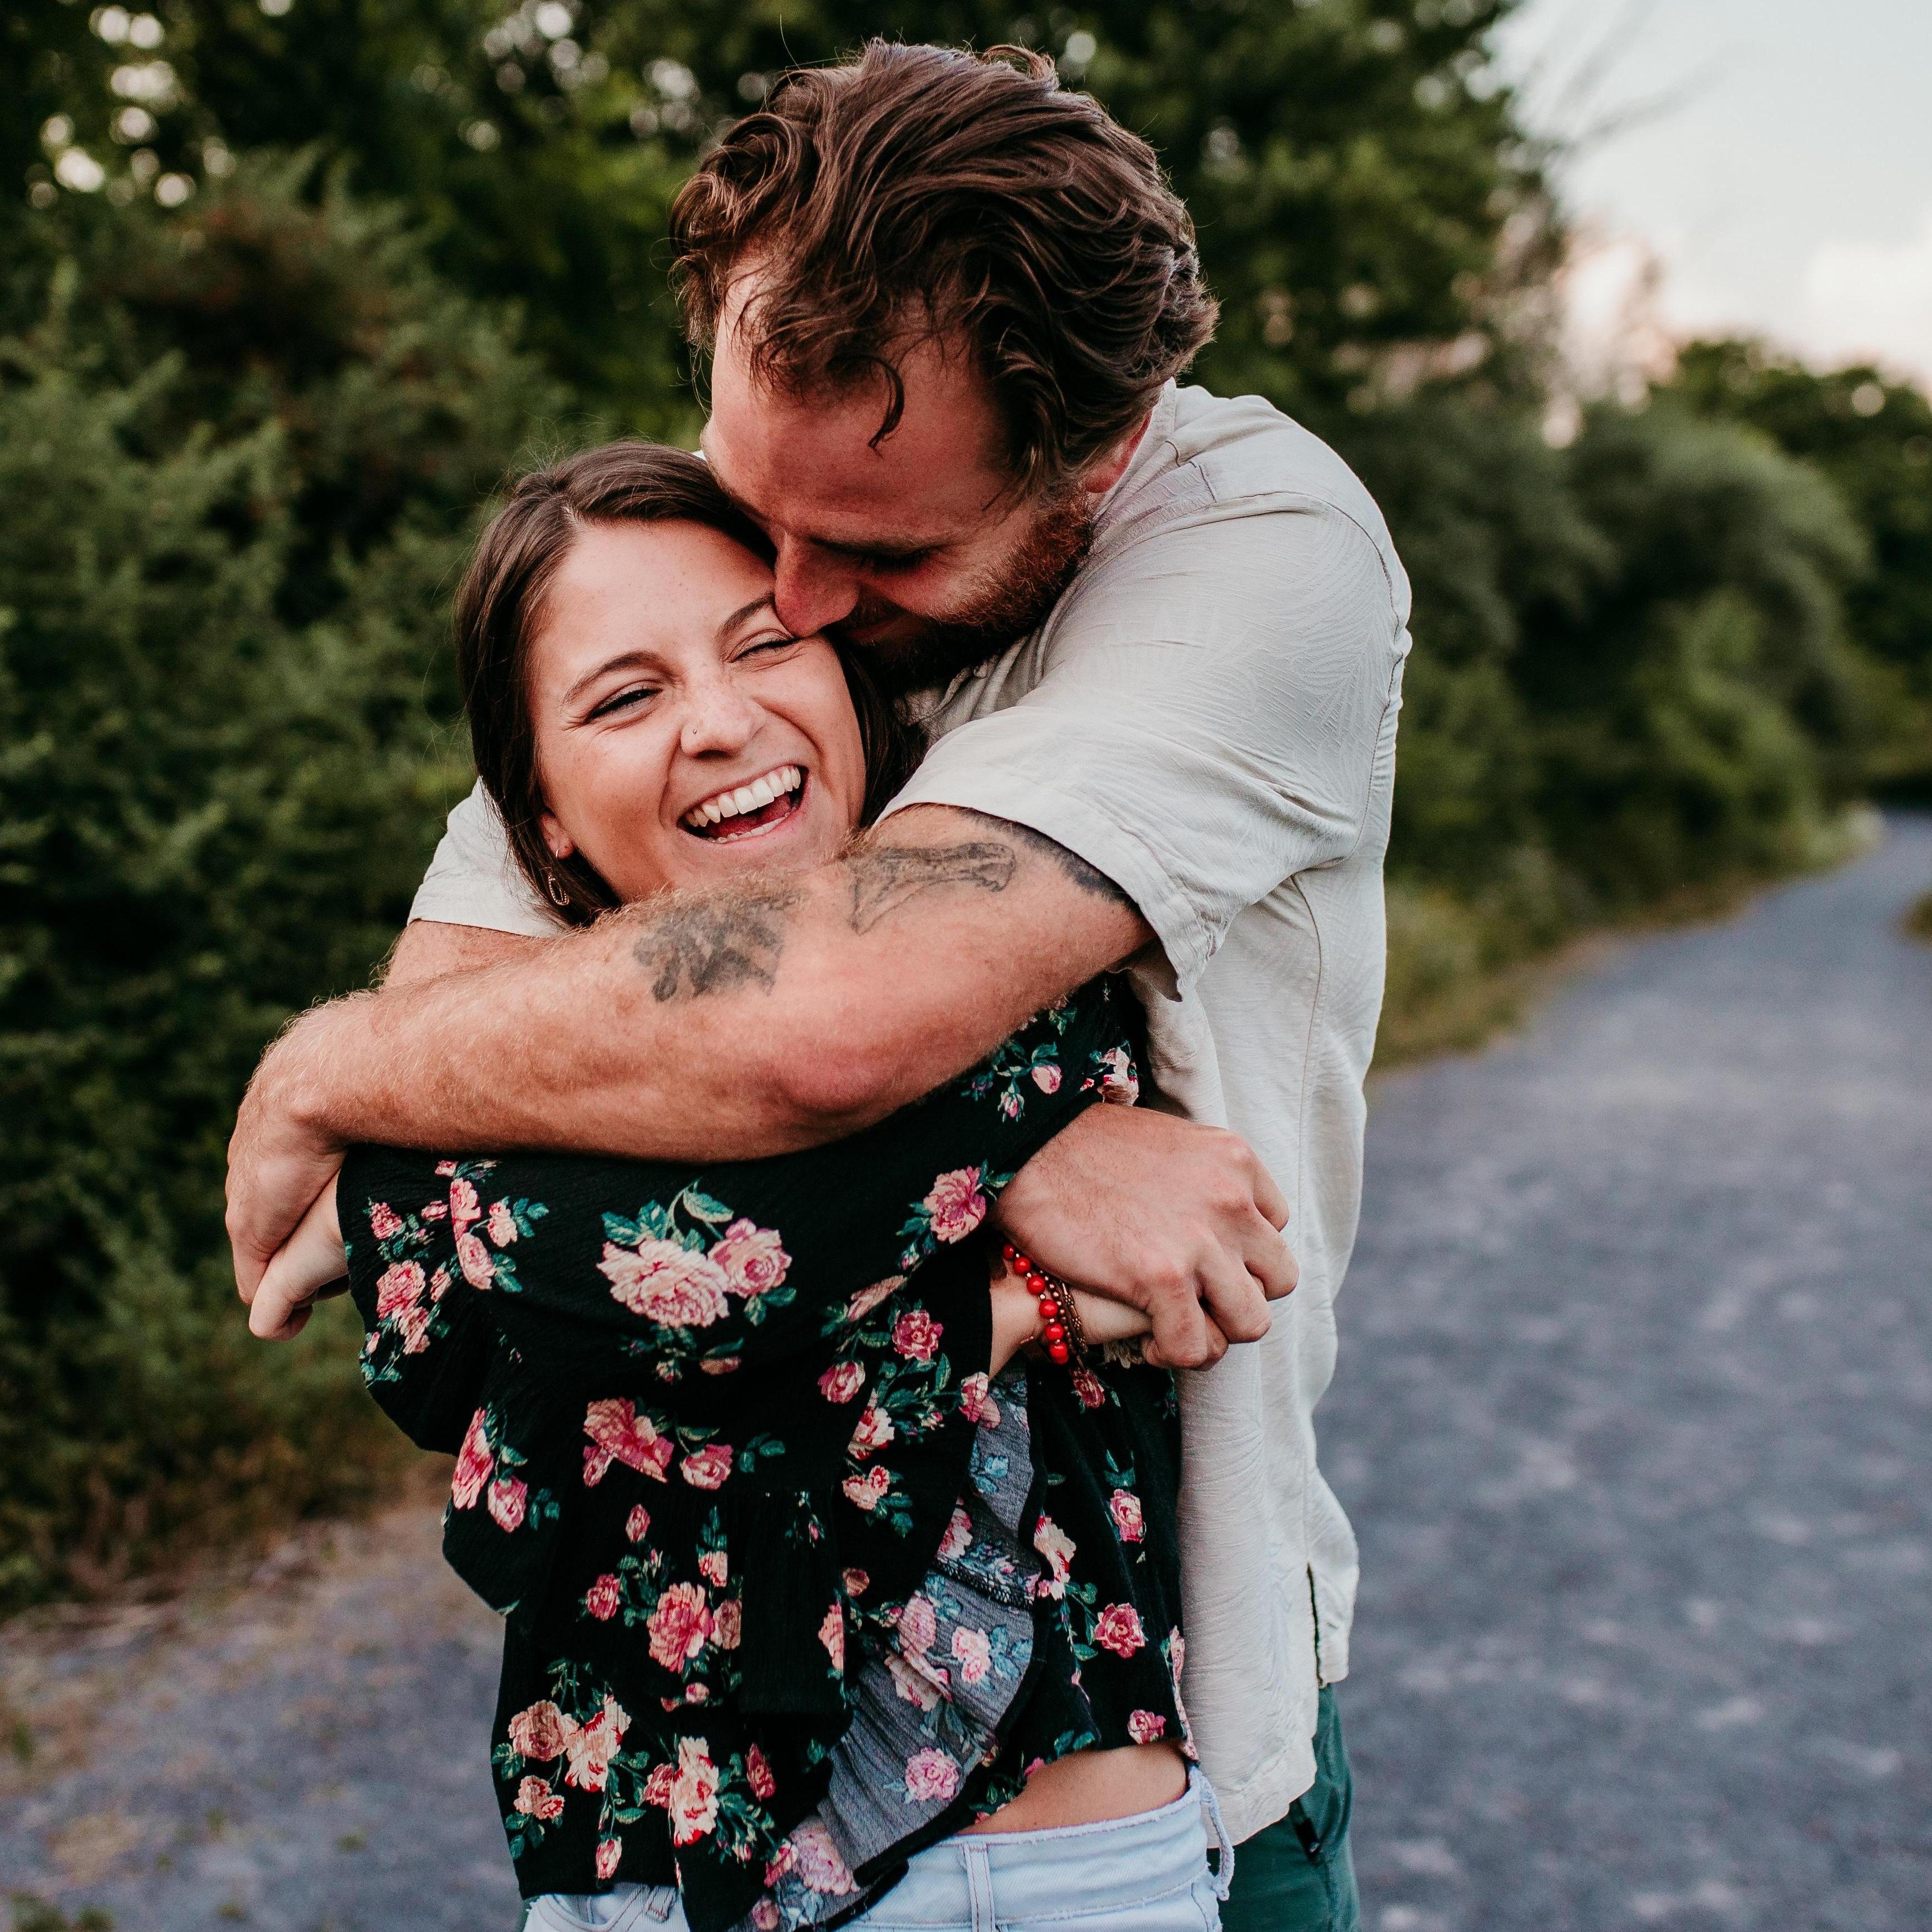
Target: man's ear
(1107, 469)
(559, 842)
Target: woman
(804, 1568)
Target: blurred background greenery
(286, 285)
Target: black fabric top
(709, 1425)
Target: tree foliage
(285, 284)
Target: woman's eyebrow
(624, 660)
(738, 615)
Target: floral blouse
(709, 1448)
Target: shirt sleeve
(1206, 720)
(474, 880)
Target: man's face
(916, 551)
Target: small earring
(554, 886)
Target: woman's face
(683, 733)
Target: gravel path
(1634, 1412)
(1634, 1417)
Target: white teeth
(753, 797)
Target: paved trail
(1635, 1416)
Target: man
(945, 304)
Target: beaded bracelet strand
(1060, 1332)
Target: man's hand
(279, 1159)
(1179, 1220)
(310, 1266)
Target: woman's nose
(718, 718)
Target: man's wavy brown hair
(921, 192)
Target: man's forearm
(775, 1015)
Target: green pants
(1296, 1875)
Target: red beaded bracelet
(1061, 1332)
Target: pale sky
(1787, 190)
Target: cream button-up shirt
(1208, 718)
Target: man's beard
(1029, 587)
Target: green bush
(223, 558)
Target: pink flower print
(680, 1627)
(975, 1393)
(1126, 1506)
(714, 1566)
(602, 1600)
(973, 1651)
(535, 1799)
(915, 1335)
(397, 1288)
(862, 1304)
(637, 1524)
(412, 1325)
(867, 1490)
(832, 1634)
(1118, 1629)
(619, 1434)
(445, 1167)
(856, 1582)
(719, 1365)
(506, 1502)
(474, 1462)
(478, 1264)
(1119, 1083)
(758, 1774)
(1009, 1106)
(958, 1536)
(841, 1382)
(753, 1258)
(665, 1281)
(1057, 1547)
(923, 1688)
(918, 1627)
(437, 1210)
(1087, 1385)
(501, 1224)
(657, 1786)
(694, 1793)
(765, 1916)
(1144, 1726)
(932, 1775)
(384, 1222)
(589, 1748)
(610, 1855)
(463, 1205)
(1046, 1077)
(727, 1625)
(706, 1468)
(539, 1733)
(873, 1432)
(955, 1204)
(815, 1858)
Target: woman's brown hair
(500, 607)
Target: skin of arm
(755, 1020)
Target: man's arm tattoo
(885, 877)
(715, 945)
(1089, 879)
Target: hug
(890, 1448)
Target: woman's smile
(743, 812)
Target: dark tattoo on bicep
(884, 876)
(715, 945)
(1089, 878)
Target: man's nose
(812, 589)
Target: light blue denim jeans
(1146, 1873)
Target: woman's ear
(561, 845)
